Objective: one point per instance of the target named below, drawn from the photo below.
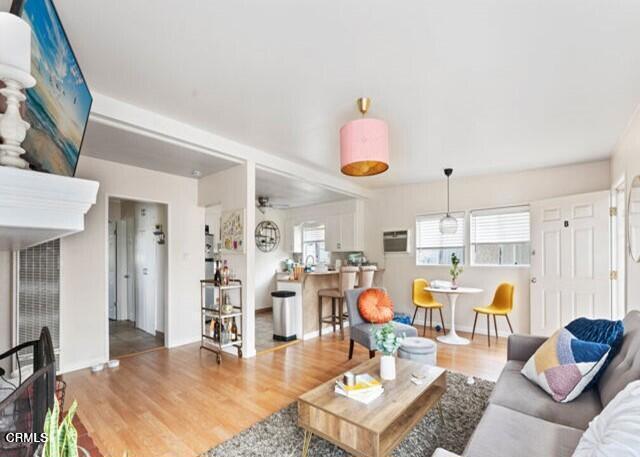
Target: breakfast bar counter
(308, 286)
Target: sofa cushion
(625, 366)
(504, 432)
(514, 391)
(564, 365)
(616, 431)
(363, 333)
(598, 331)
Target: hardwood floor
(125, 338)
(179, 402)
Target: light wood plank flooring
(179, 402)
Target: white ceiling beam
(129, 117)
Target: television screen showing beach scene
(58, 106)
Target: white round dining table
(452, 296)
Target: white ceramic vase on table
(388, 367)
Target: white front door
(569, 261)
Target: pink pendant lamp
(364, 145)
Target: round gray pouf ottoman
(421, 350)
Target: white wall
(83, 323)
(268, 262)
(397, 207)
(234, 188)
(626, 162)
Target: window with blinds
(435, 248)
(313, 244)
(39, 293)
(501, 236)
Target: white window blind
(428, 234)
(500, 236)
(313, 234)
(504, 225)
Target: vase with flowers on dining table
(455, 270)
(388, 343)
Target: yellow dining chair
(502, 305)
(424, 299)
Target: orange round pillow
(375, 306)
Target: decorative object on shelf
(159, 233)
(227, 306)
(364, 144)
(232, 230)
(58, 106)
(15, 73)
(387, 342)
(633, 217)
(267, 236)
(448, 224)
(455, 271)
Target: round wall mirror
(267, 236)
(633, 216)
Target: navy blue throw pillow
(601, 331)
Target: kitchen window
(501, 236)
(313, 244)
(435, 248)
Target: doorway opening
(138, 267)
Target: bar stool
(366, 276)
(346, 280)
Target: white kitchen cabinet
(293, 237)
(342, 232)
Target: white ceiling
(292, 192)
(479, 85)
(112, 143)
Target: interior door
(112, 271)
(146, 270)
(569, 261)
(122, 272)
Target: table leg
(452, 337)
(306, 443)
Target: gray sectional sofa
(522, 419)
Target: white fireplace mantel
(37, 207)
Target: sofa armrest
(522, 347)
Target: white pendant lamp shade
(448, 224)
(15, 50)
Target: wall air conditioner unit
(396, 241)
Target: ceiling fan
(262, 203)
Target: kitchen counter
(310, 284)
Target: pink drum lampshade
(364, 147)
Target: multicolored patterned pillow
(564, 365)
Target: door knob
(534, 280)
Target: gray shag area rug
(279, 435)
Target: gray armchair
(360, 330)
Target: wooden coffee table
(377, 428)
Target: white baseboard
(175, 344)
(69, 367)
(325, 331)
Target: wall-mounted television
(58, 106)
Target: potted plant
(387, 342)
(455, 270)
(62, 436)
